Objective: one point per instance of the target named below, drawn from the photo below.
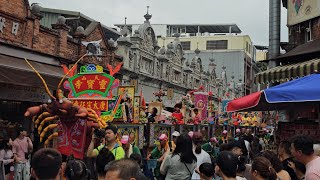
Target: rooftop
(193, 28)
(75, 14)
(301, 53)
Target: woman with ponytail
(262, 169)
(202, 156)
(277, 165)
(76, 170)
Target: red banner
(97, 105)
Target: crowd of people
(186, 157)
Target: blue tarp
(299, 90)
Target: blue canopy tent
(302, 91)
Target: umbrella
(287, 95)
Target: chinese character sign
(170, 93)
(91, 83)
(136, 108)
(97, 105)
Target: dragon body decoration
(68, 122)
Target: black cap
(112, 128)
(234, 144)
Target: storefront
(21, 88)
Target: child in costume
(196, 119)
(177, 114)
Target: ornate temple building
(151, 68)
(147, 66)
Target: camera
(26, 155)
(99, 133)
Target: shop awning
(288, 72)
(287, 95)
(17, 71)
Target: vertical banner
(136, 109)
(129, 92)
(224, 105)
(134, 82)
(201, 103)
(170, 93)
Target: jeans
(22, 171)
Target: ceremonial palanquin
(71, 119)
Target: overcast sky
(250, 15)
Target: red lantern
(210, 93)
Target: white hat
(176, 133)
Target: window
(247, 46)
(183, 30)
(174, 30)
(176, 77)
(221, 44)
(308, 36)
(185, 45)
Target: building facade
(220, 42)
(22, 36)
(152, 68)
(303, 21)
(303, 49)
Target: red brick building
(22, 36)
(302, 58)
(302, 55)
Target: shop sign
(91, 80)
(3, 23)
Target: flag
(143, 101)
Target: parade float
(122, 110)
(87, 101)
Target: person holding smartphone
(22, 147)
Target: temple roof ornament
(197, 51)
(125, 31)
(147, 16)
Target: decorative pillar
(63, 30)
